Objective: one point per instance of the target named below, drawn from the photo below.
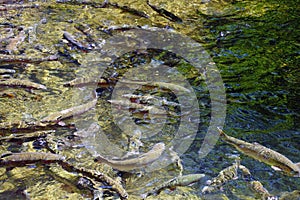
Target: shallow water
(254, 46)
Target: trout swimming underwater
(264, 154)
(135, 163)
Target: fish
(225, 175)
(174, 182)
(78, 82)
(12, 82)
(258, 188)
(14, 42)
(76, 43)
(70, 112)
(263, 154)
(151, 99)
(24, 59)
(85, 29)
(141, 107)
(138, 162)
(7, 7)
(98, 176)
(293, 195)
(245, 171)
(129, 10)
(25, 136)
(70, 184)
(135, 143)
(164, 85)
(107, 4)
(7, 71)
(144, 98)
(21, 125)
(109, 30)
(24, 158)
(170, 16)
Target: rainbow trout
(168, 15)
(7, 71)
(25, 136)
(174, 182)
(224, 176)
(151, 99)
(12, 82)
(153, 110)
(263, 154)
(19, 125)
(70, 38)
(78, 82)
(129, 105)
(24, 59)
(21, 159)
(135, 163)
(259, 189)
(70, 112)
(164, 85)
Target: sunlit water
(254, 45)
